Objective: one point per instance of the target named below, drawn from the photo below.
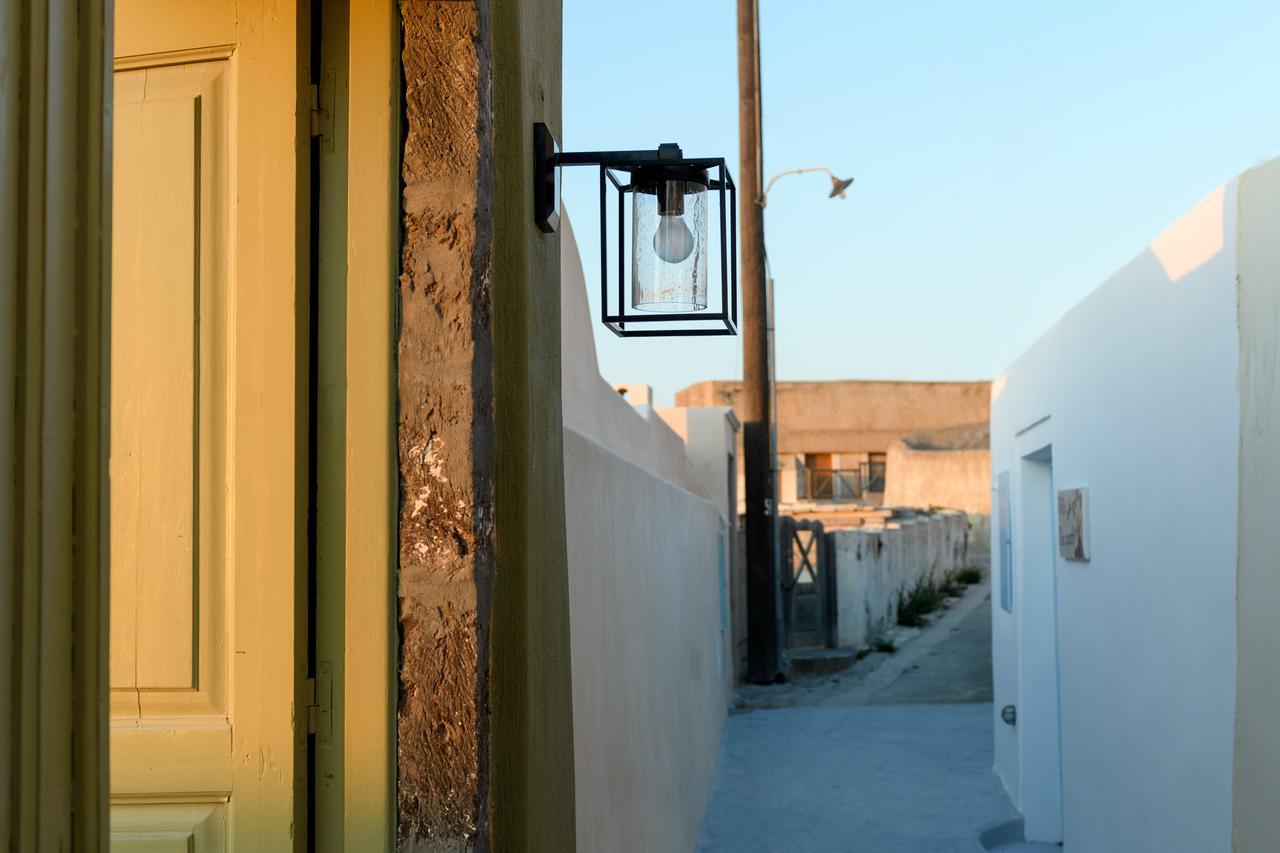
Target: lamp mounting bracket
(547, 156)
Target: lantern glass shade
(669, 243)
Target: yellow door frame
(358, 118)
(55, 237)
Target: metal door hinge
(309, 704)
(319, 699)
(322, 108)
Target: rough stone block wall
(445, 367)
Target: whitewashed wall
(875, 565)
(1134, 395)
(1257, 752)
(648, 545)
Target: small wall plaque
(1073, 524)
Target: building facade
(862, 443)
(1135, 645)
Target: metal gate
(808, 585)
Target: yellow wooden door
(206, 502)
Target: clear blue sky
(1008, 156)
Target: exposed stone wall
(485, 714)
(445, 367)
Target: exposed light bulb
(673, 241)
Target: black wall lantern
(666, 292)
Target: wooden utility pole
(763, 647)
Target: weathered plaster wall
(532, 749)
(874, 565)
(648, 545)
(484, 722)
(853, 418)
(1257, 747)
(954, 479)
(1137, 647)
(863, 415)
(738, 607)
(710, 437)
(980, 541)
(649, 669)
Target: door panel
(168, 829)
(168, 379)
(206, 624)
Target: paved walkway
(891, 757)
(955, 669)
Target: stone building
(847, 445)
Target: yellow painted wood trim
(173, 57)
(166, 799)
(328, 806)
(267, 464)
(197, 827)
(153, 26)
(11, 135)
(164, 761)
(54, 203)
(57, 470)
(373, 239)
(28, 418)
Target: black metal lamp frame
(670, 159)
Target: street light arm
(839, 184)
(769, 185)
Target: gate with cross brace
(808, 585)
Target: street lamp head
(838, 186)
(668, 239)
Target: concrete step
(815, 663)
(1007, 837)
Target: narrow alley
(891, 756)
(554, 426)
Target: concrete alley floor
(891, 756)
